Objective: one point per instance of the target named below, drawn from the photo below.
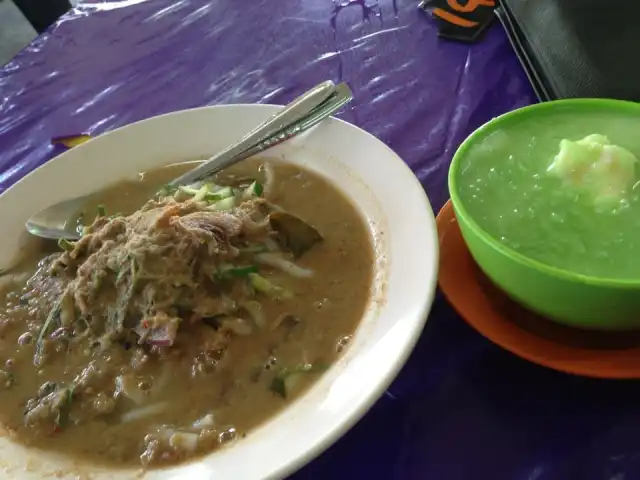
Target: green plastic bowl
(570, 298)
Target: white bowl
(402, 226)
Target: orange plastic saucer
(501, 320)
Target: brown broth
(237, 392)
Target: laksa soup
(177, 324)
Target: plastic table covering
(461, 408)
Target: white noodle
(143, 412)
(271, 245)
(207, 421)
(269, 179)
(238, 326)
(257, 314)
(128, 386)
(277, 261)
(187, 442)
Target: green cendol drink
(558, 192)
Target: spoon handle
(301, 114)
(335, 102)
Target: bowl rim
(464, 216)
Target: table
(461, 408)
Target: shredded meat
(137, 272)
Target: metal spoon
(304, 112)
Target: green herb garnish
(66, 245)
(62, 418)
(286, 378)
(167, 190)
(262, 285)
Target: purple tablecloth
(461, 408)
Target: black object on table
(42, 13)
(576, 48)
